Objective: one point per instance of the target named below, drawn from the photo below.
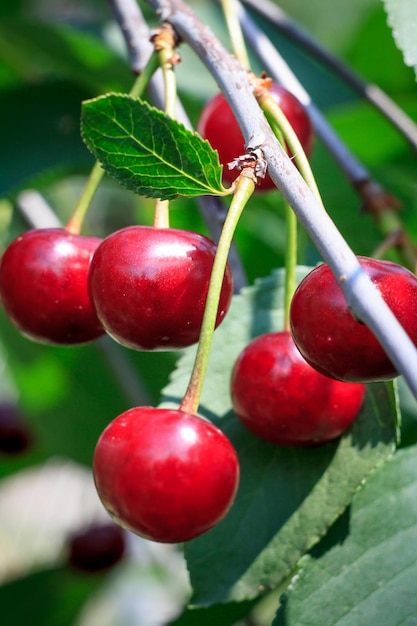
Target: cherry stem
(75, 223)
(170, 81)
(235, 31)
(245, 186)
(290, 262)
(165, 56)
(281, 126)
(161, 214)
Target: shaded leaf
(147, 151)
(46, 148)
(34, 50)
(370, 577)
(288, 497)
(66, 592)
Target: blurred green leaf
(224, 614)
(288, 497)
(51, 146)
(147, 151)
(69, 395)
(48, 598)
(35, 51)
(369, 577)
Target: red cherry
(329, 337)
(164, 474)
(149, 286)
(279, 397)
(97, 547)
(43, 286)
(218, 125)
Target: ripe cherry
(15, 435)
(332, 340)
(43, 286)
(280, 398)
(164, 474)
(97, 547)
(149, 286)
(218, 125)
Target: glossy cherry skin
(164, 474)
(149, 286)
(332, 340)
(280, 398)
(43, 286)
(97, 547)
(218, 125)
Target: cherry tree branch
(279, 70)
(137, 35)
(381, 204)
(368, 90)
(362, 296)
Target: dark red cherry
(149, 286)
(97, 547)
(280, 398)
(43, 286)
(218, 125)
(332, 340)
(164, 474)
(15, 434)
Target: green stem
(281, 126)
(145, 76)
(235, 32)
(76, 220)
(290, 262)
(287, 137)
(243, 191)
(170, 81)
(161, 214)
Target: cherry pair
(144, 286)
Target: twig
(362, 296)
(382, 205)
(368, 90)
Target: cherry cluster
(167, 474)
(164, 474)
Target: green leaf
(224, 614)
(288, 497)
(34, 51)
(66, 591)
(402, 17)
(370, 577)
(45, 149)
(147, 151)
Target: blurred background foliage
(53, 55)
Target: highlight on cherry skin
(164, 474)
(218, 125)
(332, 340)
(149, 286)
(280, 398)
(43, 286)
